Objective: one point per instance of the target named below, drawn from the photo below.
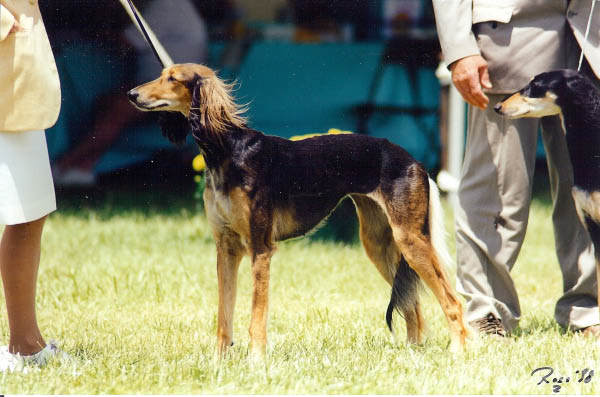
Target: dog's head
(172, 91)
(188, 91)
(545, 95)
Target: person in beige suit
(493, 48)
(29, 103)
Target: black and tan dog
(263, 189)
(576, 100)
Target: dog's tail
(405, 292)
(437, 228)
(406, 285)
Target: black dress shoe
(489, 325)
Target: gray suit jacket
(518, 38)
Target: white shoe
(15, 362)
(11, 362)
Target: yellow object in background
(331, 131)
(198, 164)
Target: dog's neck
(581, 121)
(217, 147)
(214, 145)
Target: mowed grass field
(131, 295)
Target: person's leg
(26, 198)
(19, 262)
(493, 208)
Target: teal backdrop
(291, 89)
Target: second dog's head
(546, 95)
(185, 90)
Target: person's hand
(16, 28)
(470, 76)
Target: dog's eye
(171, 79)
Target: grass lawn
(131, 294)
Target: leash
(145, 32)
(160, 53)
(587, 31)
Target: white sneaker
(11, 362)
(15, 362)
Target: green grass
(131, 295)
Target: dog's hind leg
(415, 324)
(229, 254)
(412, 214)
(377, 238)
(421, 257)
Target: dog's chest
(229, 210)
(587, 203)
(233, 207)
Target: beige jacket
(518, 38)
(29, 85)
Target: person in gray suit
(493, 48)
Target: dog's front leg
(229, 254)
(262, 249)
(260, 302)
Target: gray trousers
(494, 198)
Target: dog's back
(344, 164)
(306, 179)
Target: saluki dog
(263, 189)
(576, 100)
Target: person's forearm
(454, 19)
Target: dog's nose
(132, 95)
(498, 108)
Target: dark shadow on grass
(539, 325)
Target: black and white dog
(576, 100)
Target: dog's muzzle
(133, 95)
(498, 108)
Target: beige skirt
(26, 187)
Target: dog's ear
(174, 125)
(212, 108)
(196, 121)
(191, 81)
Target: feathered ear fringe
(213, 108)
(174, 125)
